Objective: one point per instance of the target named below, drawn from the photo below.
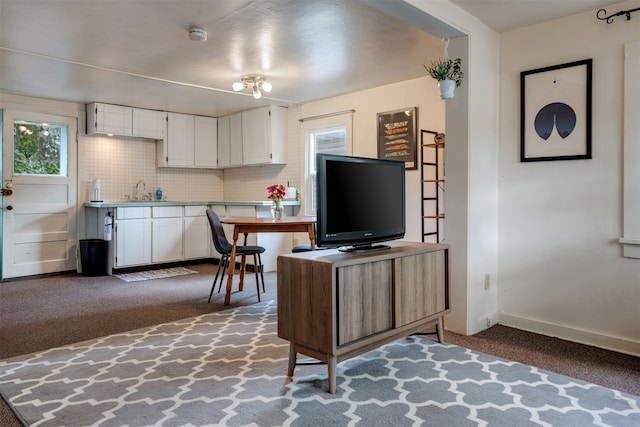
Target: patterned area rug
(229, 369)
(154, 274)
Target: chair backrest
(220, 241)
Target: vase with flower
(276, 194)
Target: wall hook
(609, 19)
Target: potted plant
(448, 73)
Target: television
(359, 202)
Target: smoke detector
(197, 34)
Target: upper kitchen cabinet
(230, 141)
(264, 136)
(253, 137)
(109, 119)
(149, 123)
(191, 142)
(125, 121)
(205, 142)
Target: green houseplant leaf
(445, 69)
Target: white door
(39, 216)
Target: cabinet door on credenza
(424, 297)
(364, 300)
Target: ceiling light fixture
(257, 83)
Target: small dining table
(264, 225)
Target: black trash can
(93, 257)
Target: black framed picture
(555, 112)
(397, 139)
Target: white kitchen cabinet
(230, 137)
(197, 241)
(191, 142)
(125, 121)
(132, 236)
(223, 142)
(253, 137)
(264, 136)
(149, 123)
(109, 119)
(166, 233)
(205, 142)
(235, 140)
(176, 150)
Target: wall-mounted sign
(397, 137)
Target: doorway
(39, 186)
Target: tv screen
(360, 202)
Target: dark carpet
(42, 313)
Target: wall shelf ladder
(432, 186)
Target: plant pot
(447, 88)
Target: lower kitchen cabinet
(132, 237)
(197, 233)
(166, 229)
(164, 233)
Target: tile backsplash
(121, 162)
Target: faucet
(135, 195)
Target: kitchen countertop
(176, 203)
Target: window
(327, 136)
(39, 148)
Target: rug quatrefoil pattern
(229, 369)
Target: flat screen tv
(360, 202)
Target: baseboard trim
(621, 345)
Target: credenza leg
(292, 359)
(440, 330)
(331, 368)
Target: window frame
(630, 241)
(63, 161)
(326, 124)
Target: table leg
(232, 266)
(312, 236)
(243, 265)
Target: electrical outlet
(487, 281)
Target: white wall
(471, 156)
(561, 269)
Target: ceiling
(506, 15)
(138, 52)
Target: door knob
(9, 207)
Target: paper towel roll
(95, 191)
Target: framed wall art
(555, 112)
(397, 139)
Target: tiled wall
(121, 162)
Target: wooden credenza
(333, 305)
